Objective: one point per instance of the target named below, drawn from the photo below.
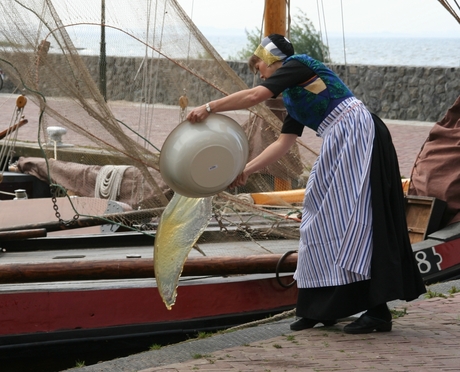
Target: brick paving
(426, 338)
(408, 136)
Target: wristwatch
(208, 108)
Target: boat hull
(42, 314)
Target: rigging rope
(7, 150)
(183, 99)
(147, 113)
(288, 31)
(322, 24)
(450, 9)
(343, 40)
(324, 34)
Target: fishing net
(116, 78)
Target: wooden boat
(74, 295)
(59, 288)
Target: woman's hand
(197, 114)
(239, 181)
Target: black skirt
(394, 272)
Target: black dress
(394, 272)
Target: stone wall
(392, 92)
(399, 92)
(402, 92)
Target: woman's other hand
(239, 181)
(198, 114)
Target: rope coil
(108, 181)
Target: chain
(54, 191)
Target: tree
(303, 37)
(306, 40)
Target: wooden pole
(22, 234)
(275, 17)
(88, 221)
(5, 132)
(132, 268)
(102, 56)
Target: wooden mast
(275, 17)
(275, 23)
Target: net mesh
(118, 78)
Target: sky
(404, 18)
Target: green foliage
(251, 45)
(433, 294)
(303, 37)
(395, 314)
(306, 40)
(79, 364)
(204, 334)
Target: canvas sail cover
(436, 169)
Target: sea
(391, 51)
(365, 50)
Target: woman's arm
(237, 101)
(270, 155)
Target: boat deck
(141, 249)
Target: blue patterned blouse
(311, 102)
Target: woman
(354, 251)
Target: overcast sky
(419, 18)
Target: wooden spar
(278, 197)
(87, 221)
(296, 196)
(5, 132)
(134, 268)
(22, 234)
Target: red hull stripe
(53, 310)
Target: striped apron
(336, 229)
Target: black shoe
(367, 324)
(305, 323)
